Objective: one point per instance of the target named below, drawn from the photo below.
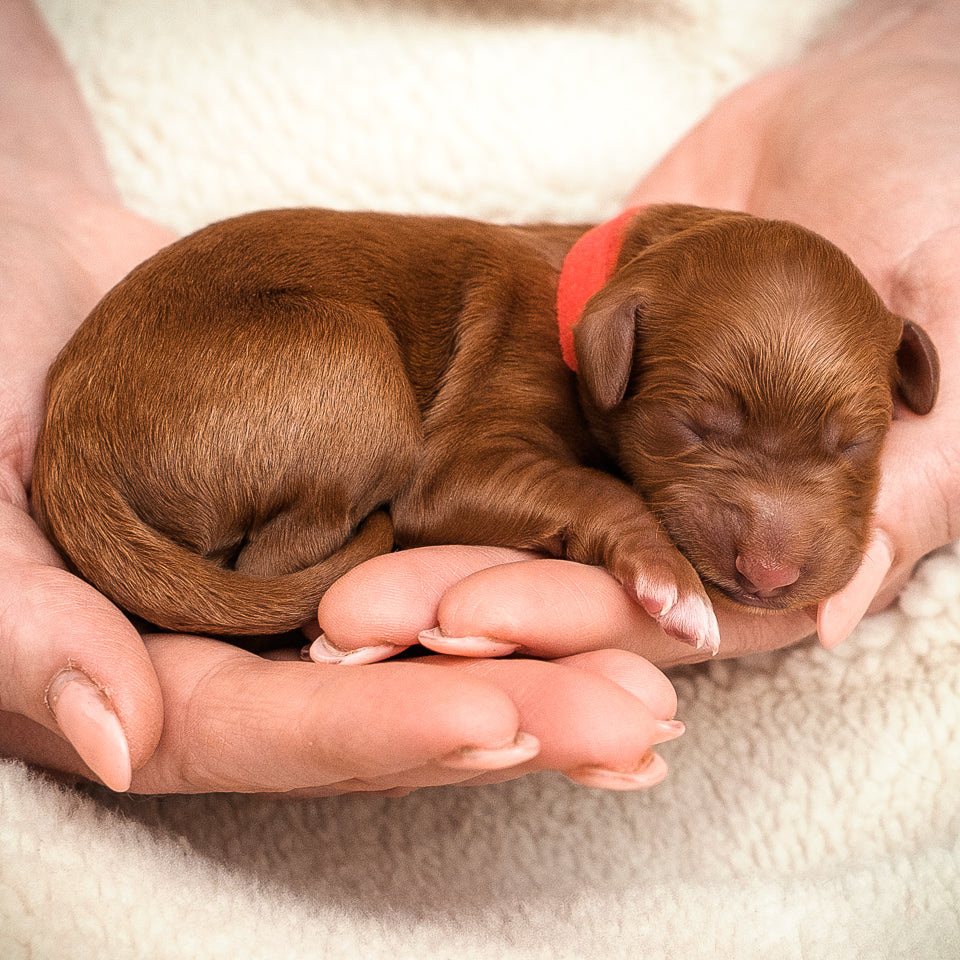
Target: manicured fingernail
(666, 730)
(837, 616)
(87, 719)
(435, 640)
(322, 651)
(650, 771)
(524, 747)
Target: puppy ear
(603, 339)
(918, 368)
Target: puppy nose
(766, 577)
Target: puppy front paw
(671, 592)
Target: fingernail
(666, 730)
(835, 622)
(649, 772)
(435, 640)
(524, 747)
(87, 719)
(837, 616)
(322, 651)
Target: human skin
(860, 141)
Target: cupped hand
(858, 141)
(238, 722)
(68, 660)
(83, 693)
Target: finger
(919, 493)
(838, 615)
(544, 607)
(917, 504)
(235, 721)
(597, 716)
(383, 605)
(913, 516)
(70, 661)
(637, 675)
(554, 608)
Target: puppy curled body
(273, 399)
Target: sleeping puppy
(277, 397)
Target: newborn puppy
(277, 397)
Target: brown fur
(258, 407)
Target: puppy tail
(171, 586)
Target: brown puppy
(256, 408)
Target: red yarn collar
(586, 268)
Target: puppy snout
(771, 557)
(766, 577)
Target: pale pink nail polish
(523, 747)
(322, 651)
(88, 721)
(437, 641)
(649, 772)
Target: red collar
(586, 268)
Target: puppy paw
(680, 606)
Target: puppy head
(743, 374)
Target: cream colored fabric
(812, 810)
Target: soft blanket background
(812, 810)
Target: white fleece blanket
(812, 810)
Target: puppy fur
(277, 397)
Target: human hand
(859, 141)
(803, 143)
(84, 694)
(57, 250)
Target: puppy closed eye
(712, 423)
(850, 444)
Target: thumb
(918, 505)
(70, 661)
(915, 513)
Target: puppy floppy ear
(603, 339)
(604, 336)
(918, 368)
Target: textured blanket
(813, 807)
